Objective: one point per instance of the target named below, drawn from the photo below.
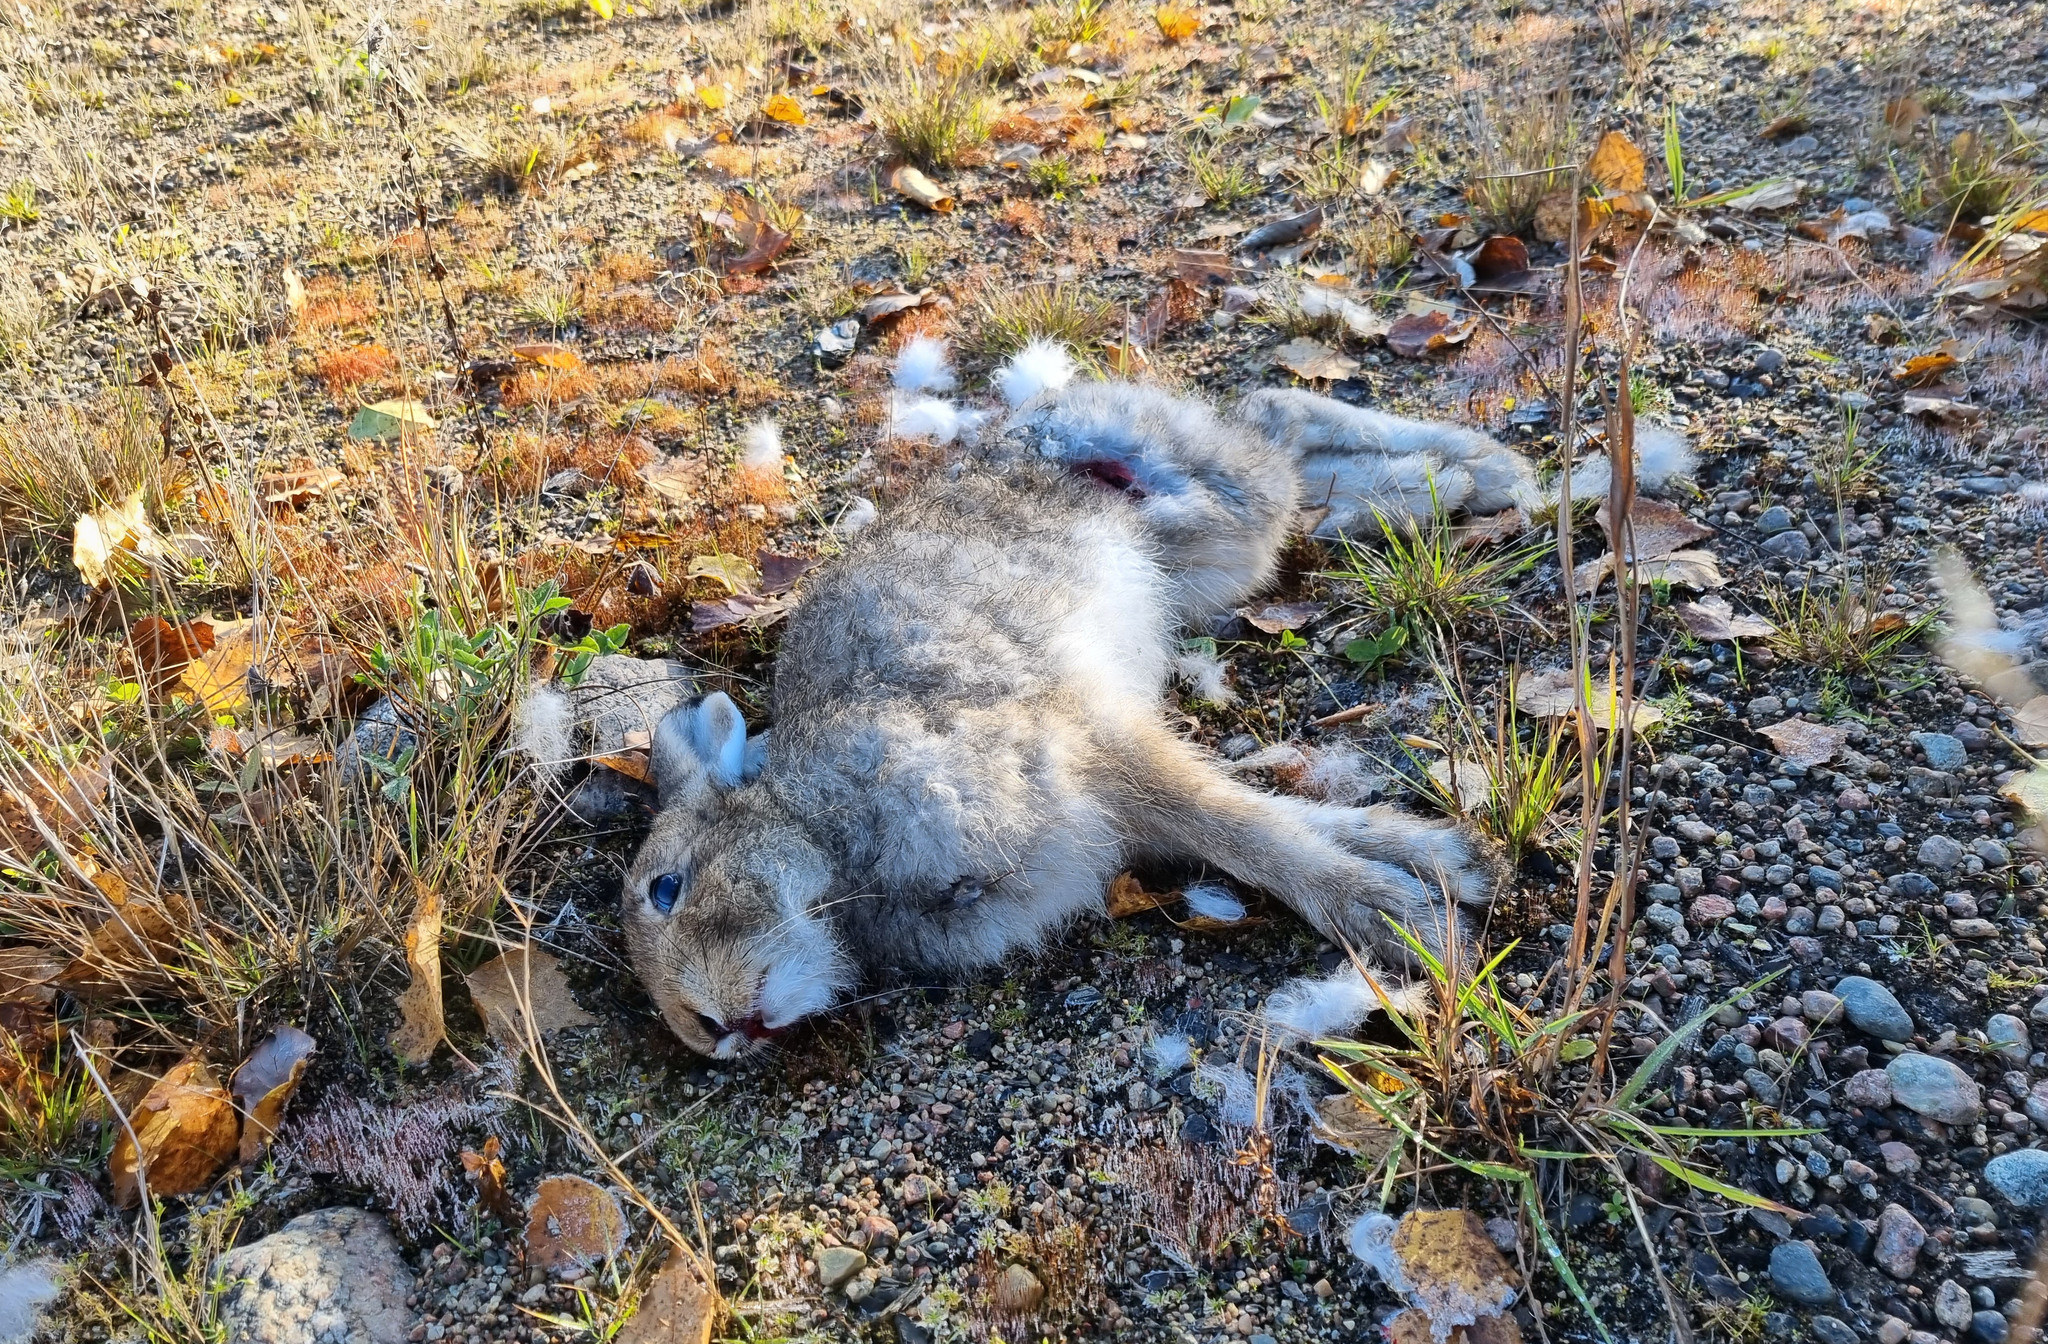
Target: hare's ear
(698, 747)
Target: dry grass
(65, 461)
(1523, 137)
(934, 118)
(1005, 318)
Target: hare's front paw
(1454, 859)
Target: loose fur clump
(760, 466)
(923, 366)
(1041, 366)
(1662, 456)
(543, 731)
(1317, 1009)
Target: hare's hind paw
(1455, 859)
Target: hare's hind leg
(1348, 875)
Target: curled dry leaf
(884, 307)
(60, 799)
(1502, 257)
(220, 678)
(116, 541)
(163, 648)
(750, 609)
(1311, 359)
(1321, 301)
(1463, 780)
(1128, 896)
(421, 1026)
(634, 759)
(1715, 620)
(908, 181)
(129, 949)
(779, 573)
(1177, 23)
(1947, 410)
(1280, 616)
(572, 1226)
(1554, 695)
(2030, 722)
(550, 355)
(1806, 742)
(679, 1307)
(1617, 165)
(784, 109)
(1279, 232)
(1413, 335)
(185, 1131)
(1343, 1121)
(487, 1169)
(1781, 195)
(523, 995)
(290, 489)
(263, 1084)
(1657, 529)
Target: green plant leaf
(1701, 1181)
(1571, 1052)
(1533, 1206)
(1239, 110)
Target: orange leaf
(1128, 896)
(679, 1307)
(263, 1084)
(573, 1225)
(421, 1027)
(489, 1171)
(220, 680)
(784, 109)
(1177, 23)
(549, 355)
(185, 1131)
(163, 648)
(1617, 165)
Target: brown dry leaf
(488, 1170)
(186, 1128)
(1463, 780)
(1715, 620)
(1285, 230)
(1770, 196)
(116, 541)
(1921, 370)
(750, 609)
(784, 109)
(779, 573)
(1806, 742)
(523, 994)
(908, 181)
(1454, 1271)
(550, 355)
(1279, 616)
(421, 1027)
(63, 796)
(1659, 529)
(1196, 267)
(263, 1084)
(634, 759)
(1947, 410)
(1361, 320)
(26, 974)
(673, 480)
(220, 679)
(1491, 529)
(1500, 257)
(1413, 1326)
(128, 949)
(883, 307)
(163, 648)
(290, 489)
(1697, 570)
(1308, 358)
(679, 1307)
(2030, 722)
(1343, 1121)
(2029, 793)
(1177, 23)
(1617, 165)
(1413, 335)
(572, 1226)
(1554, 694)
(1554, 214)
(1128, 896)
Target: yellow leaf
(421, 1028)
(601, 9)
(220, 678)
(1176, 23)
(1617, 164)
(714, 96)
(103, 539)
(785, 109)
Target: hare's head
(722, 902)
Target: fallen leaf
(1947, 410)
(1554, 695)
(1197, 267)
(1128, 896)
(290, 489)
(1177, 23)
(673, 479)
(572, 1226)
(1282, 615)
(1378, 175)
(2030, 722)
(421, 1026)
(736, 574)
(1491, 529)
(1343, 1121)
(908, 181)
(487, 1169)
(1716, 621)
(115, 541)
(885, 306)
(751, 609)
(1806, 742)
(1617, 165)
(679, 1307)
(1320, 301)
(1277, 232)
(1414, 1326)
(1452, 1270)
(185, 1130)
(388, 421)
(1500, 257)
(130, 946)
(264, 1082)
(1413, 335)
(1311, 359)
(1770, 196)
(220, 678)
(164, 648)
(26, 973)
(784, 109)
(1921, 370)
(523, 994)
(1554, 216)
(550, 355)
(64, 796)
(714, 96)
(1464, 782)
(1657, 529)
(755, 241)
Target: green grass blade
(1534, 1208)
(1699, 1180)
(1669, 1046)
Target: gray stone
(1935, 1088)
(1989, 1327)
(1871, 1089)
(837, 1264)
(2021, 1176)
(1792, 546)
(2008, 1037)
(1993, 852)
(1664, 918)
(1899, 1239)
(1873, 1009)
(1762, 1087)
(1829, 1330)
(332, 1275)
(1943, 752)
(1774, 520)
(1974, 1212)
(25, 1290)
(1952, 1305)
(1797, 1276)
(1940, 853)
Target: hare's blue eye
(664, 890)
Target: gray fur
(969, 738)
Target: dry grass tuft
(1005, 318)
(936, 119)
(64, 461)
(1523, 136)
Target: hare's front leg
(1347, 871)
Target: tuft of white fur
(1170, 1054)
(1203, 674)
(763, 447)
(923, 366)
(1213, 902)
(1662, 456)
(1236, 1092)
(543, 730)
(1317, 1009)
(918, 417)
(1041, 366)
(1340, 773)
(855, 516)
